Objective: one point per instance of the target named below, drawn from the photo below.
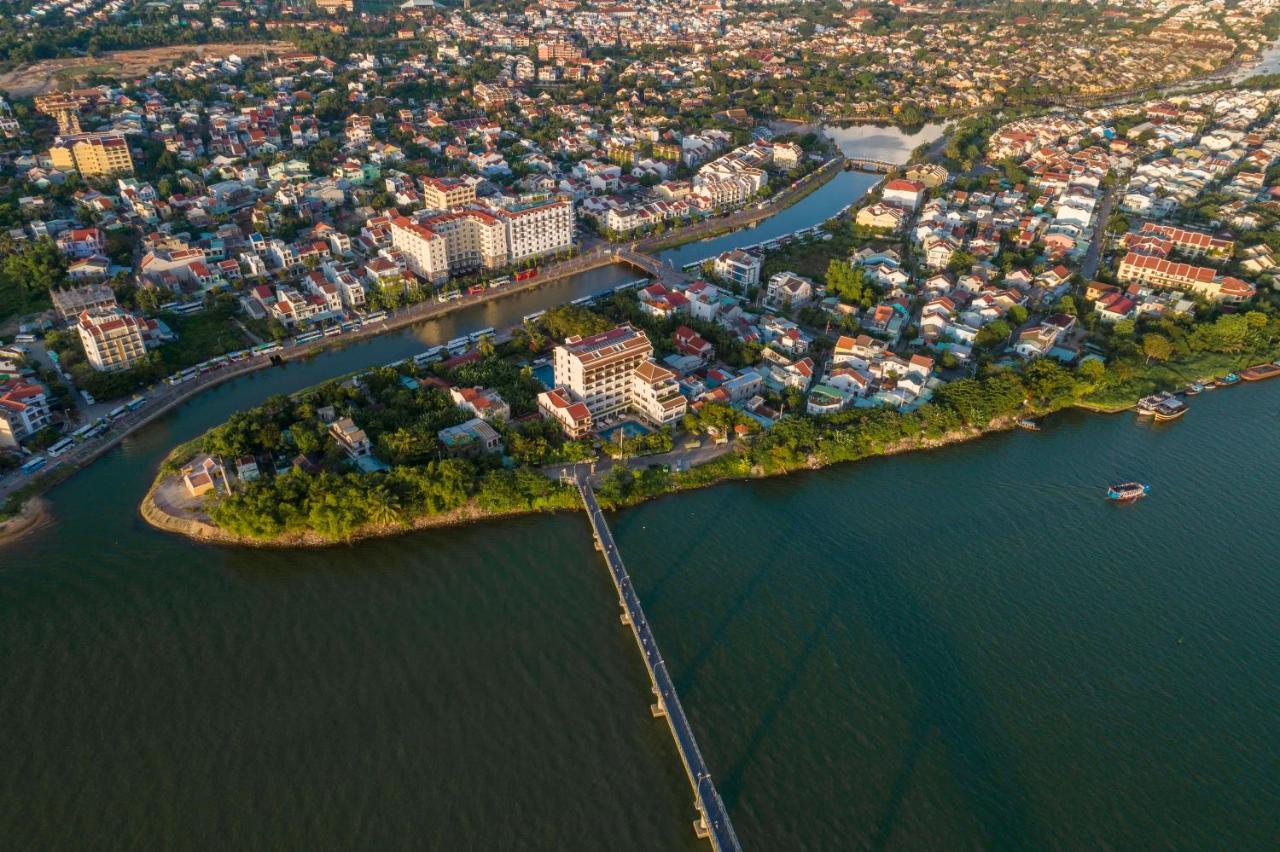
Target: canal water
(889, 144)
(960, 649)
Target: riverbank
(161, 399)
(166, 507)
(33, 515)
(711, 228)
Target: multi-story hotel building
(538, 229)
(472, 239)
(484, 238)
(655, 394)
(610, 373)
(423, 249)
(1202, 280)
(597, 369)
(113, 340)
(92, 154)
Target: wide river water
(960, 649)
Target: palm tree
(384, 506)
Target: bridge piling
(713, 820)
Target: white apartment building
(538, 229)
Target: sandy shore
(35, 513)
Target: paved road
(1093, 256)
(722, 835)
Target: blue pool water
(545, 374)
(630, 429)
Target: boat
(1147, 405)
(1210, 385)
(1170, 409)
(1259, 372)
(1029, 425)
(1127, 492)
(1193, 389)
(1228, 380)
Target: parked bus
(266, 348)
(188, 374)
(424, 358)
(500, 282)
(83, 433)
(88, 398)
(32, 465)
(308, 337)
(525, 274)
(475, 289)
(536, 315)
(136, 403)
(585, 300)
(333, 331)
(118, 412)
(61, 447)
(484, 332)
(376, 316)
(458, 343)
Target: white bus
(61, 447)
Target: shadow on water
(950, 704)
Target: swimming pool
(545, 374)
(630, 429)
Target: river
(959, 649)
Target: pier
(713, 820)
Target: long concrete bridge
(713, 820)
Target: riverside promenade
(713, 820)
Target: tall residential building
(113, 340)
(447, 193)
(92, 154)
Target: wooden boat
(1127, 492)
(1193, 389)
(1170, 409)
(1147, 405)
(1258, 372)
(1210, 385)
(1228, 380)
(1029, 425)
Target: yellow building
(447, 193)
(92, 155)
(332, 7)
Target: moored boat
(1147, 405)
(1029, 425)
(1170, 409)
(1127, 492)
(1228, 380)
(1259, 372)
(1193, 389)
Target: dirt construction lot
(45, 76)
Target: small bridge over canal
(713, 820)
(879, 167)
